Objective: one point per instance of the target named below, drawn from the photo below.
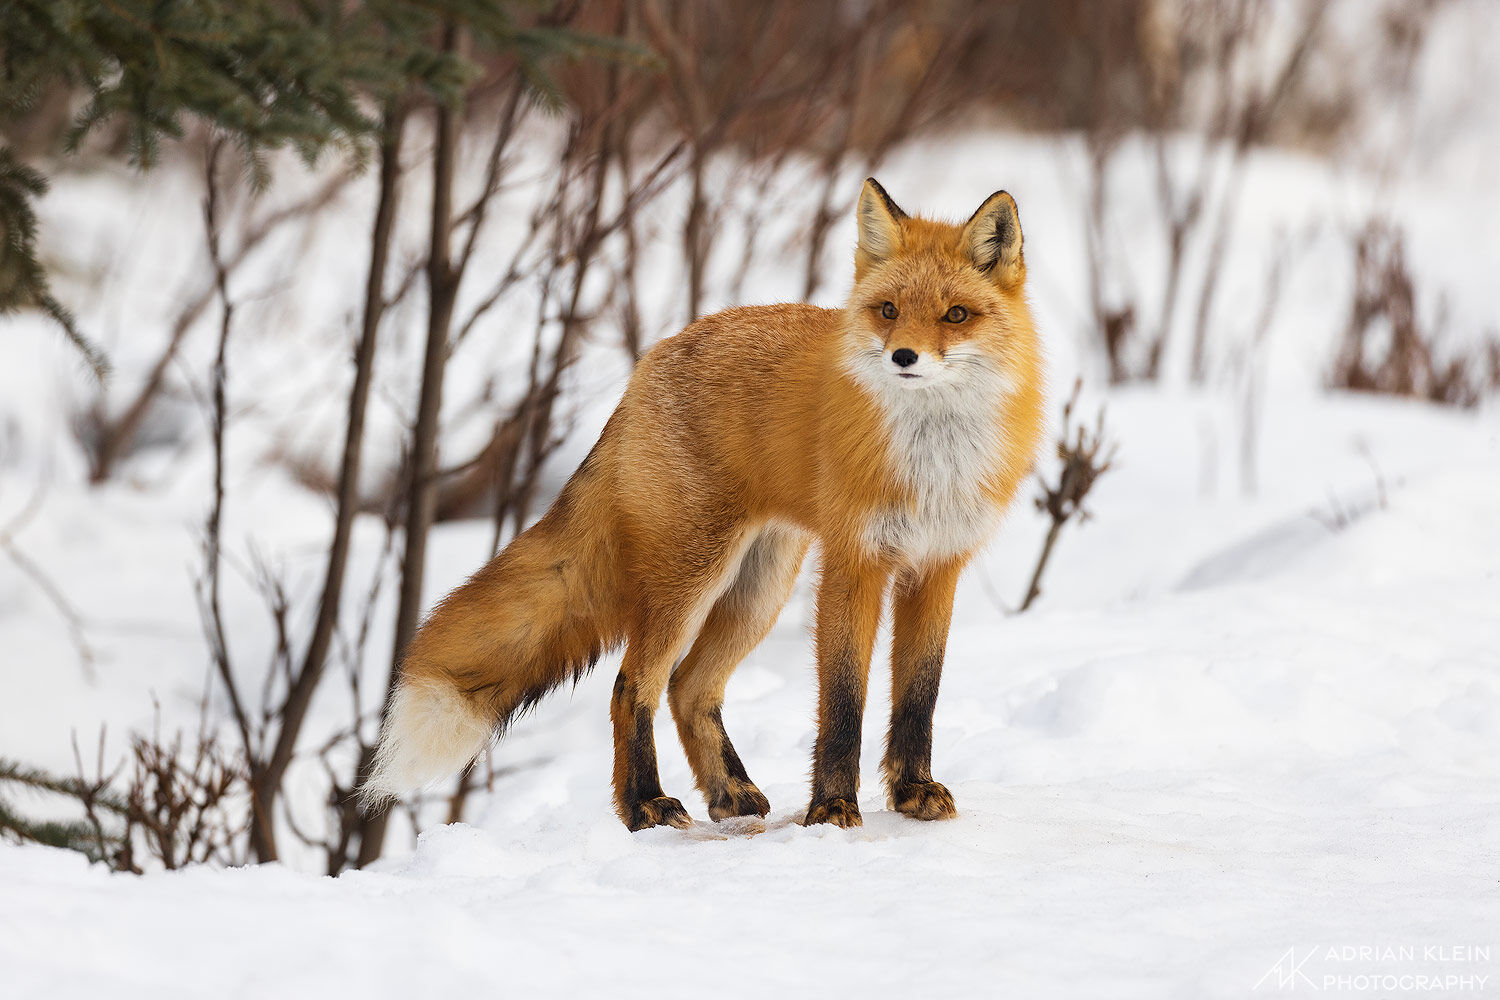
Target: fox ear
(992, 237)
(879, 226)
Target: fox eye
(888, 310)
(956, 315)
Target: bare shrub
(185, 802)
(45, 584)
(182, 803)
(1211, 76)
(1388, 348)
(1340, 514)
(1204, 85)
(110, 432)
(1084, 455)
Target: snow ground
(1241, 725)
(1273, 736)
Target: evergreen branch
(23, 281)
(38, 780)
(73, 835)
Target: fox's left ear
(992, 237)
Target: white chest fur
(945, 442)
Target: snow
(1084, 888)
(1255, 712)
(1289, 745)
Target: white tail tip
(431, 732)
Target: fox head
(936, 303)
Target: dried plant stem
(1085, 457)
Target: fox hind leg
(674, 601)
(737, 623)
(639, 798)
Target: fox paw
(839, 812)
(925, 800)
(661, 811)
(738, 798)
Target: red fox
(893, 432)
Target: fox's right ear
(879, 227)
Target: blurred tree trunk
(442, 287)
(299, 697)
(694, 243)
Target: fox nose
(904, 356)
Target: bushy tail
(536, 615)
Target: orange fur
(740, 440)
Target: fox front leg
(923, 611)
(849, 597)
